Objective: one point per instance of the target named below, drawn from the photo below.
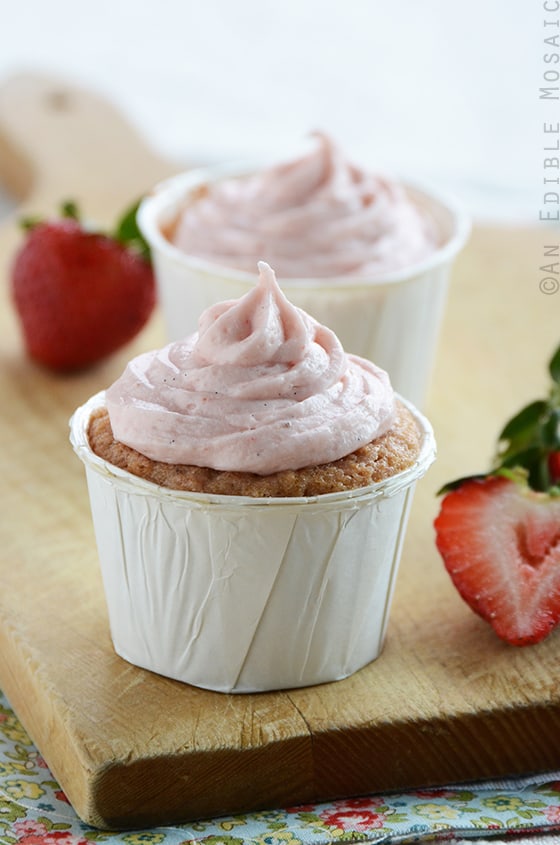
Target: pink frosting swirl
(261, 387)
(316, 217)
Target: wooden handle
(58, 141)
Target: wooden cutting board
(446, 701)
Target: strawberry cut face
(500, 543)
(537, 536)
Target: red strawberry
(500, 542)
(554, 467)
(80, 295)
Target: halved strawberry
(500, 543)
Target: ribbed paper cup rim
(168, 197)
(380, 490)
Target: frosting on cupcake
(261, 387)
(318, 216)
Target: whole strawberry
(80, 295)
(499, 533)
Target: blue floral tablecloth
(35, 811)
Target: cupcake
(250, 486)
(318, 216)
(363, 253)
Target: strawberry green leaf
(526, 458)
(554, 366)
(458, 482)
(525, 422)
(517, 474)
(533, 460)
(128, 233)
(550, 430)
(70, 210)
(28, 223)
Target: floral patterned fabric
(35, 811)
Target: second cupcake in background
(250, 487)
(318, 216)
(362, 253)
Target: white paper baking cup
(392, 320)
(237, 594)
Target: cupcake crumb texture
(384, 457)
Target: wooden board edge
(175, 790)
(162, 789)
(438, 752)
(21, 679)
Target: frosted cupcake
(363, 253)
(249, 489)
(317, 216)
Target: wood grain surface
(446, 701)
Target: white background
(445, 90)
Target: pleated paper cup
(392, 319)
(238, 594)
